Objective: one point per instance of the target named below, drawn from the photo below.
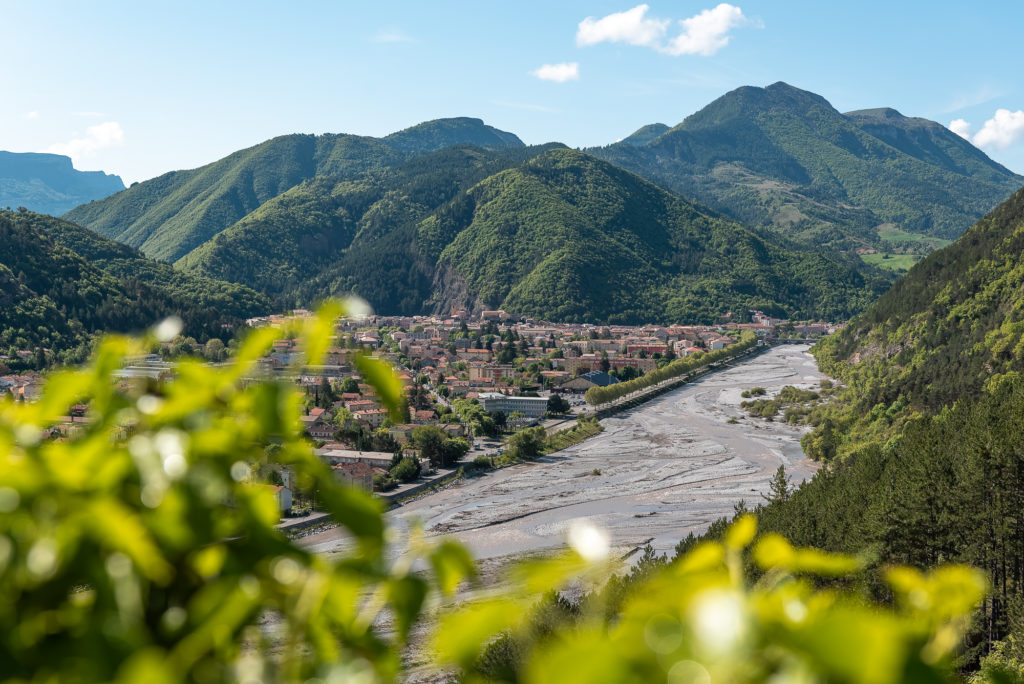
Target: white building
(531, 407)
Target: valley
(659, 471)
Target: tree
(557, 404)
(528, 443)
(605, 363)
(429, 439)
(325, 396)
(407, 470)
(214, 350)
(452, 451)
(778, 489)
(349, 386)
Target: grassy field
(574, 435)
(890, 233)
(900, 263)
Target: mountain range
(785, 159)
(454, 212)
(551, 232)
(49, 184)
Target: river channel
(657, 472)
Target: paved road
(670, 466)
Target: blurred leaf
(452, 564)
(383, 378)
(319, 331)
(406, 596)
(741, 532)
(460, 636)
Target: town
(471, 383)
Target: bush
(482, 461)
(407, 470)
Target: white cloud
(98, 137)
(32, 115)
(1002, 130)
(702, 34)
(559, 73)
(708, 32)
(391, 35)
(623, 27)
(961, 128)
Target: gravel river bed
(657, 472)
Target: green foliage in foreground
(139, 550)
(700, 619)
(948, 488)
(602, 395)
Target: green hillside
(954, 322)
(171, 215)
(785, 159)
(555, 234)
(59, 284)
(926, 461)
(329, 236)
(569, 237)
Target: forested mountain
(171, 215)
(49, 184)
(926, 461)
(59, 284)
(946, 329)
(784, 158)
(555, 234)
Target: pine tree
(778, 489)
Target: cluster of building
(509, 365)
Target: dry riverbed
(657, 472)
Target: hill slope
(49, 184)
(925, 440)
(171, 215)
(557, 235)
(784, 158)
(59, 284)
(941, 332)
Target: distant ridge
(49, 183)
(168, 216)
(545, 232)
(784, 158)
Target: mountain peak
(440, 133)
(747, 102)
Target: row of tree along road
(679, 369)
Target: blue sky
(143, 88)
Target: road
(659, 471)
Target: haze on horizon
(138, 90)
